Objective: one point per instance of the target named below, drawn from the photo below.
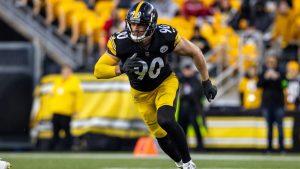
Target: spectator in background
(294, 37)
(251, 43)
(113, 24)
(250, 95)
(293, 86)
(224, 7)
(190, 108)
(165, 8)
(262, 19)
(293, 99)
(257, 12)
(196, 8)
(245, 13)
(270, 80)
(200, 41)
(66, 100)
(124, 4)
(90, 3)
(284, 20)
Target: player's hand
(210, 91)
(129, 66)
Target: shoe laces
(189, 165)
(179, 165)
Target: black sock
(166, 119)
(168, 146)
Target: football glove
(131, 65)
(209, 90)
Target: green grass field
(128, 161)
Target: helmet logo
(163, 49)
(138, 15)
(135, 16)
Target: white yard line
(226, 168)
(168, 168)
(132, 168)
(123, 168)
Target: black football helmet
(141, 13)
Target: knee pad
(156, 130)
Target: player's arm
(107, 67)
(186, 48)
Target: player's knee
(159, 133)
(156, 130)
(164, 122)
(166, 116)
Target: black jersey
(155, 67)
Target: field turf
(128, 161)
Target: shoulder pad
(116, 41)
(169, 33)
(123, 35)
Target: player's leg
(165, 103)
(166, 119)
(167, 144)
(145, 106)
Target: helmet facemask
(148, 31)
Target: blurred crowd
(261, 37)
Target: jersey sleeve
(177, 39)
(111, 46)
(174, 38)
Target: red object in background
(195, 8)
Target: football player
(143, 48)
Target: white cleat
(189, 165)
(4, 165)
(179, 165)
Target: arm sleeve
(111, 46)
(105, 67)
